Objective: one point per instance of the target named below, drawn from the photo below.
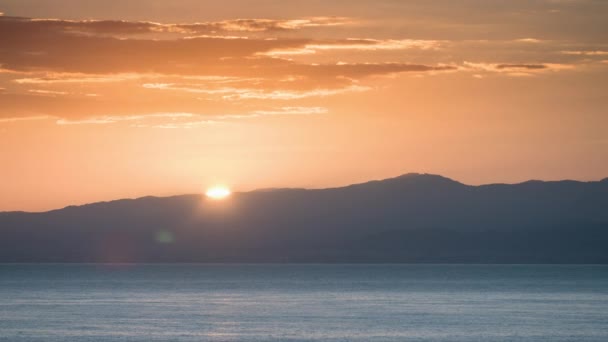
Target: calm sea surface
(303, 303)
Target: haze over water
(196, 302)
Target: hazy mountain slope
(412, 218)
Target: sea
(303, 302)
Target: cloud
(180, 120)
(585, 52)
(26, 118)
(58, 78)
(274, 112)
(515, 69)
(357, 45)
(28, 47)
(93, 55)
(193, 88)
(359, 70)
(261, 25)
(47, 92)
(521, 66)
(327, 80)
(529, 40)
(174, 125)
(122, 28)
(283, 111)
(251, 93)
(292, 111)
(57, 55)
(108, 68)
(115, 118)
(293, 95)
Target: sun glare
(218, 192)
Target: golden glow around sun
(218, 192)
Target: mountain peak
(412, 179)
(425, 177)
(412, 175)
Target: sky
(109, 99)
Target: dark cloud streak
(122, 27)
(521, 66)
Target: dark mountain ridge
(410, 218)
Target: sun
(218, 192)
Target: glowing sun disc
(218, 192)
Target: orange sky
(102, 100)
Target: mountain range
(414, 218)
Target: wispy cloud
(529, 40)
(257, 25)
(521, 66)
(116, 118)
(47, 92)
(57, 78)
(586, 52)
(357, 45)
(515, 69)
(280, 111)
(182, 120)
(119, 28)
(193, 88)
(26, 118)
(293, 95)
(250, 93)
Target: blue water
(303, 303)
